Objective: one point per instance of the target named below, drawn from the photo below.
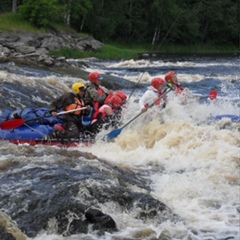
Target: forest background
(155, 25)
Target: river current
(190, 158)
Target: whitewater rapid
(191, 161)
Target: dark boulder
(72, 193)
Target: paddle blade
(10, 124)
(213, 94)
(113, 134)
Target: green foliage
(73, 12)
(199, 49)
(40, 13)
(5, 6)
(132, 51)
(217, 21)
(163, 20)
(156, 22)
(107, 52)
(13, 22)
(105, 17)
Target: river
(190, 160)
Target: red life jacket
(158, 102)
(178, 89)
(79, 103)
(96, 104)
(100, 113)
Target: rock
(4, 51)
(9, 230)
(22, 49)
(74, 196)
(6, 37)
(103, 221)
(33, 48)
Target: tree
(163, 17)
(218, 21)
(40, 13)
(104, 18)
(151, 21)
(14, 6)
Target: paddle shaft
(131, 93)
(73, 110)
(60, 113)
(212, 95)
(15, 123)
(214, 91)
(169, 30)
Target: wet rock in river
(75, 198)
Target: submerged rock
(9, 230)
(74, 195)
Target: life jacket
(102, 110)
(112, 102)
(96, 104)
(163, 98)
(79, 103)
(100, 113)
(158, 102)
(178, 89)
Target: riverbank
(33, 48)
(28, 45)
(164, 55)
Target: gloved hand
(54, 114)
(17, 116)
(170, 85)
(164, 105)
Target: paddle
(113, 134)
(116, 132)
(137, 82)
(212, 95)
(15, 123)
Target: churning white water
(191, 161)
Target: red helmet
(122, 95)
(157, 82)
(94, 76)
(169, 76)
(114, 101)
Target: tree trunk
(14, 6)
(154, 37)
(130, 16)
(82, 23)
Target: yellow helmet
(76, 87)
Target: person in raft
(71, 122)
(96, 94)
(122, 95)
(153, 93)
(172, 81)
(108, 114)
(183, 92)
